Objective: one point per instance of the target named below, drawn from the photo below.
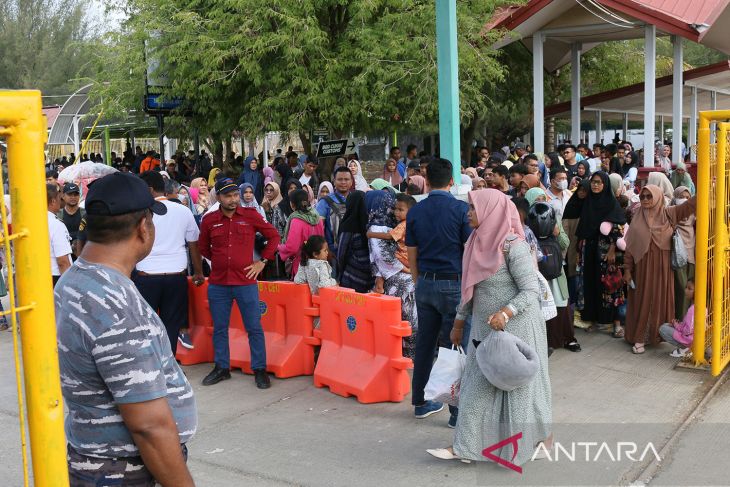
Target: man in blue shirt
(411, 153)
(332, 207)
(436, 230)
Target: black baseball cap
(71, 188)
(225, 185)
(414, 165)
(120, 193)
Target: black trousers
(168, 295)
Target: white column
(537, 92)
(266, 150)
(692, 129)
(599, 125)
(661, 129)
(649, 93)
(713, 125)
(575, 93)
(677, 101)
(77, 137)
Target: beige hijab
(650, 225)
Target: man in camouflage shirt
(130, 408)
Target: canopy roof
(592, 22)
(77, 105)
(630, 99)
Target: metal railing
(712, 276)
(24, 127)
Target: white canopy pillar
(677, 102)
(626, 126)
(538, 99)
(692, 129)
(77, 136)
(713, 125)
(599, 127)
(649, 93)
(575, 93)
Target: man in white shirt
(558, 193)
(58, 233)
(161, 277)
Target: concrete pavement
(296, 434)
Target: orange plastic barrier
(200, 327)
(287, 317)
(362, 340)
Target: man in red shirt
(227, 238)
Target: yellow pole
(91, 132)
(703, 234)
(21, 116)
(719, 263)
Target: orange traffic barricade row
(362, 339)
(287, 317)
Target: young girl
(314, 269)
(681, 333)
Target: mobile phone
(632, 285)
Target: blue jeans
(436, 302)
(220, 299)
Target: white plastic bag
(547, 301)
(444, 382)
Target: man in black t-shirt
(71, 214)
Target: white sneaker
(679, 352)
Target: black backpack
(551, 266)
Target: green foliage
(294, 65)
(43, 44)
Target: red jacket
(229, 244)
(299, 232)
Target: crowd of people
(547, 243)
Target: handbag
(444, 383)
(679, 251)
(547, 301)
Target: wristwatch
(264, 261)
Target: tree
(293, 65)
(43, 44)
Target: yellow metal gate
(24, 127)
(712, 276)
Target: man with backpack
(332, 207)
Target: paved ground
(296, 434)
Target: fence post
(25, 127)
(702, 240)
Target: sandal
(573, 346)
(638, 350)
(619, 332)
(591, 328)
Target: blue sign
(157, 103)
(351, 323)
(263, 307)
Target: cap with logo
(225, 185)
(120, 193)
(69, 188)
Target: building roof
(630, 99)
(593, 22)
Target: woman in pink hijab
(500, 291)
(420, 184)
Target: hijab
(303, 211)
(533, 193)
(381, 184)
(678, 192)
(471, 172)
(277, 190)
(310, 193)
(660, 179)
(599, 208)
(211, 177)
(360, 183)
(574, 206)
(268, 175)
(380, 206)
(419, 182)
(483, 252)
(285, 172)
(254, 177)
(284, 205)
(393, 178)
(586, 166)
(617, 183)
(475, 183)
(356, 215)
(650, 225)
(325, 184)
(682, 179)
(253, 204)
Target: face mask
(680, 201)
(563, 185)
